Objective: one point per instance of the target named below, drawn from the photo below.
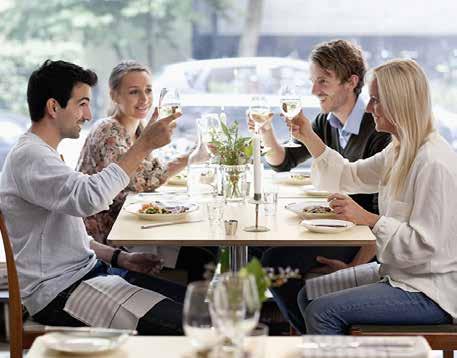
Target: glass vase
(234, 182)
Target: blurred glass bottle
(201, 175)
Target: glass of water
(215, 210)
(270, 203)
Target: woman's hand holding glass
(300, 126)
(169, 102)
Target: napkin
(342, 279)
(110, 302)
(364, 347)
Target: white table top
(284, 230)
(173, 347)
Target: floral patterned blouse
(106, 143)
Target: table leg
(238, 257)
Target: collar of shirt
(353, 122)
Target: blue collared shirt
(352, 125)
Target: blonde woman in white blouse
(416, 177)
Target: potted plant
(234, 153)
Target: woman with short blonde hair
(416, 175)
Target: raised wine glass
(169, 102)
(290, 105)
(259, 111)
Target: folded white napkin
(342, 279)
(110, 302)
(364, 347)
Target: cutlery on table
(91, 331)
(170, 223)
(329, 225)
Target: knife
(93, 331)
(329, 225)
(170, 223)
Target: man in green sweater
(337, 70)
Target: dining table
(272, 347)
(284, 227)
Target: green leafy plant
(267, 277)
(230, 146)
(233, 152)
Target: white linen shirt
(43, 201)
(416, 232)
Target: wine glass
(169, 102)
(235, 308)
(212, 130)
(212, 126)
(290, 105)
(197, 321)
(259, 111)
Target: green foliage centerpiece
(234, 152)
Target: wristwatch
(114, 258)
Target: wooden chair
(441, 337)
(19, 338)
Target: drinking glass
(197, 322)
(290, 105)
(270, 199)
(215, 209)
(235, 308)
(259, 111)
(169, 102)
(211, 130)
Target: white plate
(298, 208)
(309, 190)
(82, 344)
(293, 178)
(135, 207)
(178, 180)
(334, 226)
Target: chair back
(15, 305)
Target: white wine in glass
(169, 102)
(290, 105)
(259, 111)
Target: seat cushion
(435, 328)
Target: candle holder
(257, 200)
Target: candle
(257, 166)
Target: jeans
(376, 303)
(165, 318)
(304, 259)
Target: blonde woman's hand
(329, 265)
(347, 209)
(301, 126)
